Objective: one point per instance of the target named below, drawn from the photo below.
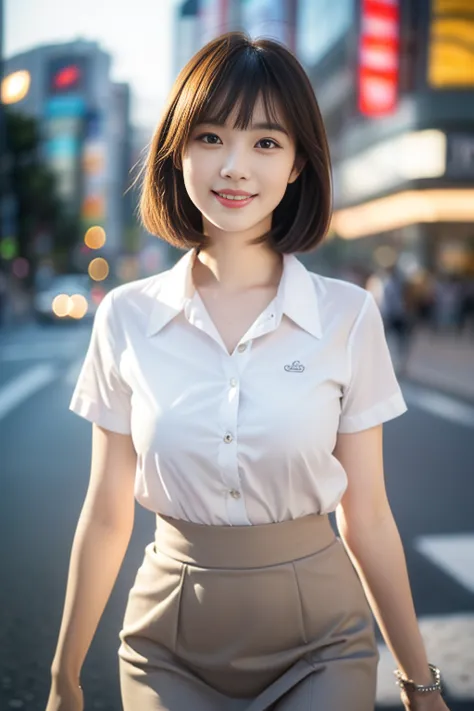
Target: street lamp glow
(15, 86)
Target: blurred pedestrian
(466, 315)
(447, 303)
(397, 315)
(238, 396)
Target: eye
(211, 136)
(269, 140)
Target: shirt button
(233, 382)
(242, 347)
(234, 493)
(228, 438)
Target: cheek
(196, 174)
(277, 179)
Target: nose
(235, 166)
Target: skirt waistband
(242, 546)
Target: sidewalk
(444, 362)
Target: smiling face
(221, 160)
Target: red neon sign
(379, 57)
(67, 77)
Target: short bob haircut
(233, 71)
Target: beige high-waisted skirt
(247, 618)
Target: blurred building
(85, 122)
(198, 21)
(185, 33)
(394, 80)
(269, 18)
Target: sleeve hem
(379, 413)
(91, 411)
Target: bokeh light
(8, 248)
(78, 306)
(98, 269)
(61, 305)
(15, 87)
(95, 237)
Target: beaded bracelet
(410, 685)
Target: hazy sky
(137, 33)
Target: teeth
(234, 197)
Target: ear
(298, 166)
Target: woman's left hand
(414, 701)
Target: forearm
(96, 557)
(377, 554)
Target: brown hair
(229, 70)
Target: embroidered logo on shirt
(295, 367)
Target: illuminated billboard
(378, 64)
(67, 75)
(451, 44)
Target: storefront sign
(451, 41)
(378, 57)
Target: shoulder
(340, 299)
(128, 302)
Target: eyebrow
(262, 125)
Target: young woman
(241, 398)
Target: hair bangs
(237, 88)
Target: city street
(45, 458)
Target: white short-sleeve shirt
(246, 438)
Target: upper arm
(361, 455)
(372, 394)
(110, 495)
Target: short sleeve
(100, 394)
(373, 394)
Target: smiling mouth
(237, 198)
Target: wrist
(63, 675)
(411, 686)
(420, 676)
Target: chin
(237, 223)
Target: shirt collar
(296, 297)
(299, 300)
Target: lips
(233, 193)
(233, 198)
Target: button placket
(229, 410)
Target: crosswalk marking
(453, 553)
(449, 642)
(23, 386)
(449, 408)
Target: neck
(236, 267)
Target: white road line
(23, 386)
(449, 645)
(453, 553)
(439, 404)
